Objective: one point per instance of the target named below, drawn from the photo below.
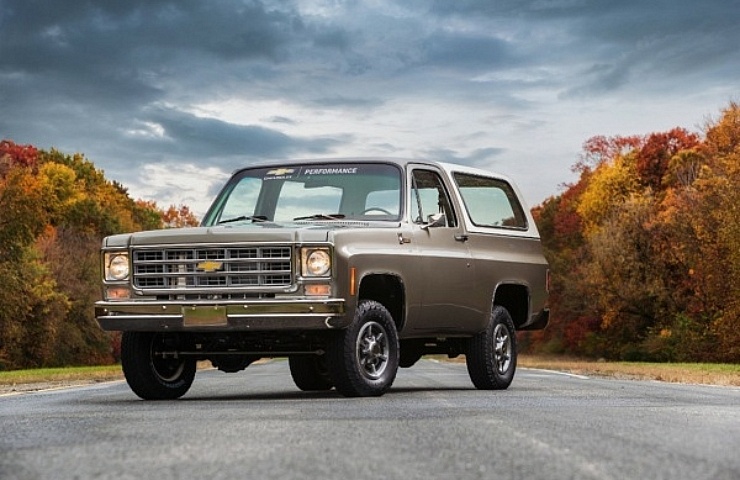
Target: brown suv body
(348, 267)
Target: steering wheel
(376, 209)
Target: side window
(490, 202)
(429, 197)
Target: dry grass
(49, 378)
(71, 374)
(696, 373)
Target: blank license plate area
(204, 316)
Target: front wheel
(363, 358)
(151, 368)
(491, 356)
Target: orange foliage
(653, 273)
(54, 211)
(178, 217)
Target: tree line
(54, 211)
(645, 248)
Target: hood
(252, 233)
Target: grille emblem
(209, 266)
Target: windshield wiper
(254, 218)
(322, 216)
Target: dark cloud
(189, 136)
(115, 48)
(615, 44)
(126, 81)
(469, 52)
(345, 102)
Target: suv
(349, 268)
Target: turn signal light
(117, 293)
(318, 290)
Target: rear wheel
(151, 368)
(363, 359)
(491, 356)
(310, 373)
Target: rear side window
(490, 202)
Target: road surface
(432, 424)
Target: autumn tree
(54, 211)
(178, 217)
(645, 247)
(654, 156)
(30, 306)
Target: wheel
(491, 356)
(151, 375)
(309, 373)
(363, 358)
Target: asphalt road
(432, 424)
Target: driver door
(443, 258)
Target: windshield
(347, 191)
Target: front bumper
(262, 315)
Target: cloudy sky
(168, 97)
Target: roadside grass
(51, 377)
(696, 373)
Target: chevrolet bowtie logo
(209, 266)
(281, 171)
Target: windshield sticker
(331, 171)
(298, 172)
(280, 174)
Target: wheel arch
(387, 289)
(514, 297)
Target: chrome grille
(212, 267)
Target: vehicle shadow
(285, 395)
(321, 395)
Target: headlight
(316, 262)
(116, 266)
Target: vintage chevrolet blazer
(350, 268)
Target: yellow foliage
(59, 184)
(611, 185)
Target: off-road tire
(491, 356)
(310, 373)
(150, 376)
(363, 358)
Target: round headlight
(118, 267)
(318, 263)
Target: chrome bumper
(262, 315)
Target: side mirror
(435, 220)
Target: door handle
(461, 237)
